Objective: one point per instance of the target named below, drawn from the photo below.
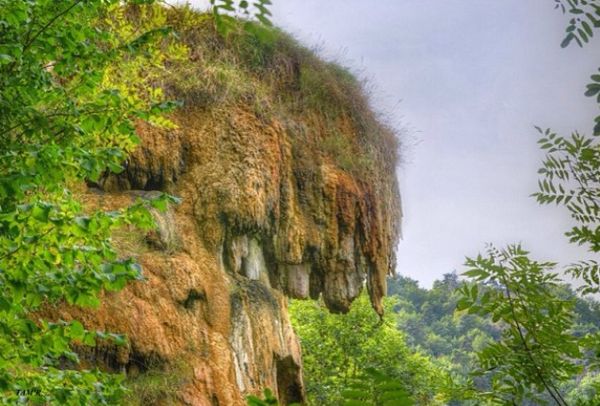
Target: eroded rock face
(266, 215)
(250, 204)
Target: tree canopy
(63, 121)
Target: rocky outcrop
(288, 189)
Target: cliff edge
(288, 189)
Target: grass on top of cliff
(322, 105)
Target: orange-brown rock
(288, 189)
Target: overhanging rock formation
(288, 189)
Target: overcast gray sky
(469, 79)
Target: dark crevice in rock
(140, 362)
(193, 297)
(315, 283)
(115, 358)
(105, 357)
(289, 380)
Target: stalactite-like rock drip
(302, 236)
(283, 195)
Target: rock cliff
(288, 189)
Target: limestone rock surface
(285, 192)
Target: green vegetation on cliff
(62, 121)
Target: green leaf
(587, 28)
(40, 213)
(89, 339)
(567, 40)
(5, 59)
(76, 330)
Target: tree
(62, 122)
(537, 350)
(571, 170)
(342, 352)
(540, 348)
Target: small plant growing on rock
(269, 399)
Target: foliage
(446, 339)
(541, 348)
(338, 350)
(159, 383)
(269, 399)
(62, 122)
(376, 389)
(570, 177)
(585, 17)
(225, 11)
(537, 350)
(453, 339)
(570, 171)
(587, 392)
(431, 325)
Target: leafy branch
(536, 349)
